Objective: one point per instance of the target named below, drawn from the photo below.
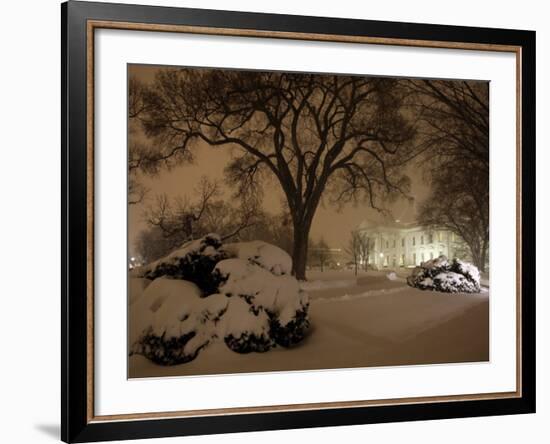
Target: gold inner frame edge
(92, 25)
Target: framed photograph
(276, 221)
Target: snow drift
(450, 277)
(240, 293)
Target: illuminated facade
(400, 244)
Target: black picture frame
(76, 423)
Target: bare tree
(310, 133)
(359, 248)
(320, 253)
(366, 245)
(144, 158)
(136, 190)
(136, 97)
(183, 220)
(274, 229)
(455, 134)
(455, 121)
(461, 208)
(353, 249)
(152, 244)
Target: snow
(326, 284)
(172, 309)
(449, 281)
(198, 297)
(240, 318)
(344, 283)
(205, 247)
(438, 262)
(175, 307)
(279, 294)
(391, 325)
(427, 282)
(160, 306)
(267, 256)
(441, 275)
(164, 303)
(469, 270)
(136, 287)
(369, 319)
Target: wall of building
(408, 247)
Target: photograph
(287, 221)
(275, 220)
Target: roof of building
(389, 224)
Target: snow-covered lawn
(360, 321)
(344, 283)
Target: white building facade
(399, 244)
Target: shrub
(193, 262)
(278, 296)
(172, 322)
(241, 293)
(450, 277)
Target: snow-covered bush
(136, 287)
(441, 275)
(246, 328)
(193, 261)
(173, 322)
(294, 330)
(239, 293)
(275, 298)
(267, 256)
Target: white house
(398, 244)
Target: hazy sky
(333, 225)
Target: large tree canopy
(345, 135)
(455, 135)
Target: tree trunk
(301, 221)
(483, 258)
(478, 257)
(299, 252)
(475, 258)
